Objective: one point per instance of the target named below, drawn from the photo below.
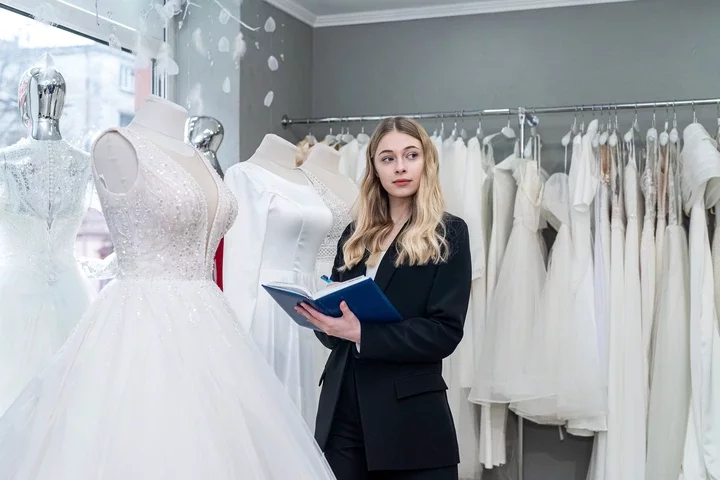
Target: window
(95, 99)
(127, 78)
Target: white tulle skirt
(158, 381)
(509, 327)
(38, 310)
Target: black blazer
(405, 415)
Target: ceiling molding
(294, 9)
(301, 13)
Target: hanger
(479, 131)
(311, 140)
(613, 139)
(565, 141)
(605, 128)
(362, 137)
(505, 131)
(664, 135)
(674, 135)
(463, 132)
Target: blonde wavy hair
(423, 238)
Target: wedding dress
(280, 228)
(45, 191)
(670, 369)
(159, 380)
(516, 299)
(653, 190)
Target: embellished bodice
(45, 191)
(162, 227)
(340, 220)
(529, 195)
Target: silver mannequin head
(206, 134)
(42, 86)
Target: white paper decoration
(194, 99)
(269, 98)
(224, 16)
(270, 25)
(226, 85)
(198, 41)
(165, 62)
(114, 42)
(240, 47)
(223, 45)
(272, 63)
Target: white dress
(653, 190)
(634, 391)
(159, 380)
(700, 176)
(516, 300)
(276, 237)
(669, 400)
(45, 191)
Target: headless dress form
(163, 123)
(282, 223)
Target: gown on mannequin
(281, 225)
(45, 191)
(159, 380)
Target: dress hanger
(674, 135)
(479, 131)
(664, 135)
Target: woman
(383, 410)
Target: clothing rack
(526, 118)
(286, 121)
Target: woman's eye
(387, 159)
(412, 155)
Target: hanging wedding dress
(701, 187)
(670, 369)
(458, 369)
(634, 389)
(281, 226)
(607, 455)
(583, 383)
(502, 189)
(652, 190)
(45, 192)
(516, 299)
(159, 380)
(545, 353)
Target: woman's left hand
(346, 327)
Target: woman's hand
(346, 327)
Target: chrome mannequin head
(206, 134)
(41, 97)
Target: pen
(325, 279)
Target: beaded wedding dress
(158, 380)
(45, 191)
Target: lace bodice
(45, 190)
(648, 179)
(340, 219)
(160, 228)
(616, 185)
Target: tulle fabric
(516, 300)
(158, 381)
(36, 317)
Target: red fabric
(219, 264)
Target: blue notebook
(362, 295)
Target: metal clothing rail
(286, 121)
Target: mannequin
(281, 225)
(277, 155)
(45, 191)
(50, 97)
(324, 163)
(206, 134)
(163, 124)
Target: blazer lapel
(387, 269)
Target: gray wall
(245, 118)
(635, 51)
(292, 82)
(210, 74)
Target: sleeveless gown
(45, 191)
(159, 380)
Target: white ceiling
(325, 13)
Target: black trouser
(345, 448)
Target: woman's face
(399, 163)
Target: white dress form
(281, 226)
(163, 123)
(324, 163)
